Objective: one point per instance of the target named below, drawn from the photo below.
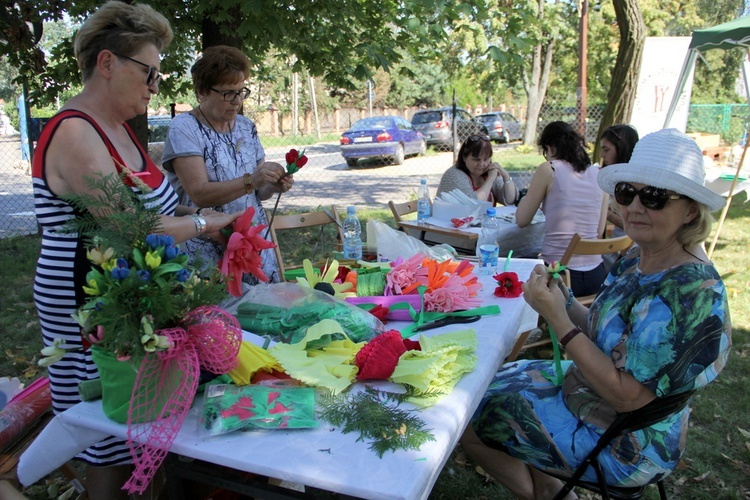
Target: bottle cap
(423, 181)
(491, 211)
(351, 209)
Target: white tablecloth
(719, 180)
(323, 457)
(525, 242)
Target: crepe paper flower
(251, 360)
(325, 279)
(403, 275)
(457, 293)
(508, 285)
(53, 353)
(152, 342)
(461, 222)
(242, 254)
(295, 160)
(97, 336)
(378, 358)
(555, 268)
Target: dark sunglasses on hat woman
(651, 197)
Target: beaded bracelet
(570, 299)
(249, 186)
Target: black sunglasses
(231, 95)
(651, 197)
(154, 77)
(475, 138)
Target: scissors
(448, 320)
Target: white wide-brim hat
(666, 159)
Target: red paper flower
(295, 160)
(378, 358)
(242, 254)
(509, 285)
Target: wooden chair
(581, 246)
(625, 423)
(320, 219)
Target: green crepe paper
(557, 378)
(370, 282)
(320, 359)
(228, 408)
(289, 325)
(507, 261)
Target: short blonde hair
(217, 65)
(697, 230)
(121, 28)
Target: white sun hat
(666, 159)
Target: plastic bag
(392, 244)
(284, 311)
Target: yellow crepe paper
(251, 360)
(330, 366)
(439, 365)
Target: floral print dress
(669, 330)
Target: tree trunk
(222, 33)
(536, 85)
(621, 97)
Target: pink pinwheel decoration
(242, 254)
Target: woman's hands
(544, 294)
(215, 222)
(270, 177)
(495, 170)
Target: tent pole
(729, 200)
(687, 72)
(736, 174)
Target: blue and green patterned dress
(669, 330)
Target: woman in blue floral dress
(659, 326)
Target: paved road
(325, 180)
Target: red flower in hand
(242, 254)
(295, 161)
(509, 285)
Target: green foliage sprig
(375, 415)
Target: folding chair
(581, 246)
(399, 210)
(625, 423)
(320, 219)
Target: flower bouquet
(150, 319)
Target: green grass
(717, 461)
(297, 140)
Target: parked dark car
(437, 126)
(503, 127)
(391, 137)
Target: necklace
(234, 148)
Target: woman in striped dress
(118, 51)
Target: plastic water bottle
(352, 235)
(487, 244)
(424, 208)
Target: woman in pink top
(566, 189)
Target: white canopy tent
(725, 36)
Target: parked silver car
(503, 127)
(437, 126)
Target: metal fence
(326, 180)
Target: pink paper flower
(242, 254)
(403, 274)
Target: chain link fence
(326, 180)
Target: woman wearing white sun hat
(659, 326)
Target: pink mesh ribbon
(209, 338)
